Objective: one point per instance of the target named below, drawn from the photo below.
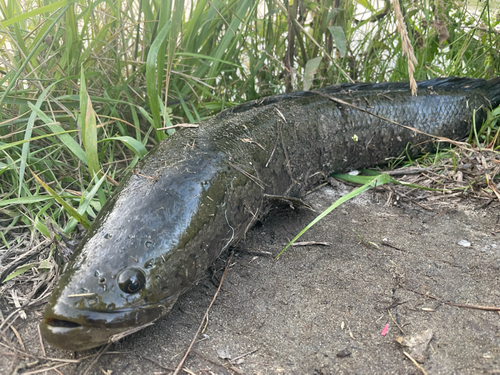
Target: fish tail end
(493, 91)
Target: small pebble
(344, 353)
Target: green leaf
(339, 39)
(311, 67)
(19, 271)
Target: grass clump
(86, 86)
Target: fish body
(200, 190)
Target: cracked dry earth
(321, 309)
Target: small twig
(205, 317)
(391, 246)
(39, 357)
(156, 362)
(179, 126)
(121, 335)
(476, 307)
(46, 369)
(415, 363)
(406, 171)
(96, 358)
(257, 252)
(243, 355)
(250, 140)
(309, 243)
(396, 323)
(253, 178)
(41, 341)
(18, 337)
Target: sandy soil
(322, 309)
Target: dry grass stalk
(407, 47)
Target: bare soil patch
(322, 309)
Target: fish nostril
(61, 323)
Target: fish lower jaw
(67, 335)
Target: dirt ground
(322, 309)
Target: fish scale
(200, 190)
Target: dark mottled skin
(199, 191)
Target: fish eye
(131, 280)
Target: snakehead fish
(201, 189)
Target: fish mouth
(53, 322)
(67, 335)
(75, 330)
(75, 336)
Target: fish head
(135, 261)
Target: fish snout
(72, 329)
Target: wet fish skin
(199, 191)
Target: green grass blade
(85, 204)
(208, 58)
(26, 200)
(70, 210)
(34, 50)
(19, 271)
(35, 12)
(65, 138)
(89, 128)
(371, 182)
(151, 84)
(133, 144)
(6, 146)
(27, 137)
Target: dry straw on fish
(406, 45)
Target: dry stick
(205, 317)
(39, 357)
(41, 341)
(251, 177)
(476, 307)
(243, 355)
(96, 358)
(283, 144)
(415, 363)
(18, 337)
(155, 362)
(396, 323)
(179, 126)
(45, 369)
(311, 243)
